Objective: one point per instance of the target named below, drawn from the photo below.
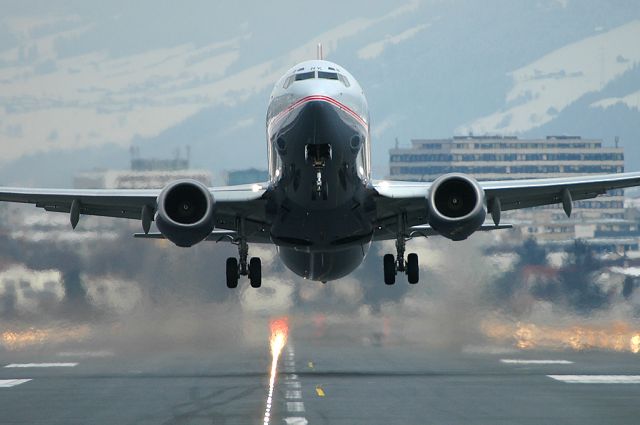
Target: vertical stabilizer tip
(319, 52)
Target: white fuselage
(320, 168)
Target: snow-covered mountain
(81, 82)
(543, 89)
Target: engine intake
(185, 213)
(455, 204)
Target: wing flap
(427, 231)
(215, 236)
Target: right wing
(231, 202)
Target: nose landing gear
(318, 155)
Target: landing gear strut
(392, 265)
(240, 267)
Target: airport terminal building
(601, 221)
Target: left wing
(231, 202)
(397, 197)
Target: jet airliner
(320, 207)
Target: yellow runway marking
(319, 391)
(310, 364)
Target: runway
(319, 382)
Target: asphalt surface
(318, 383)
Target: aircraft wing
(231, 201)
(396, 197)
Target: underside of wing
(124, 203)
(456, 203)
(516, 194)
(394, 198)
(245, 201)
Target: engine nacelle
(185, 213)
(456, 206)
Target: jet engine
(456, 206)
(185, 212)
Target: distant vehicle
(320, 206)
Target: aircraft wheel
(413, 269)
(389, 269)
(255, 272)
(232, 272)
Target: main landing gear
(240, 267)
(392, 265)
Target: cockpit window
(288, 81)
(327, 75)
(305, 75)
(344, 80)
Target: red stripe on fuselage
(322, 98)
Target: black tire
(413, 269)
(232, 272)
(389, 269)
(255, 272)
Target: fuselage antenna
(320, 51)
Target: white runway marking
(296, 421)
(295, 406)
(597, 379)
(519, 361)
(293, 394)
(7, 383)
(42, 365)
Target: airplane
(320, 207)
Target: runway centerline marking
(597, 379)
(293, 394)
(295, 406)
(296, 420)
(41, 365)
(7, 383)
(523, 361)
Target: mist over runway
(168, 344)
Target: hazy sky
(88, 78)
